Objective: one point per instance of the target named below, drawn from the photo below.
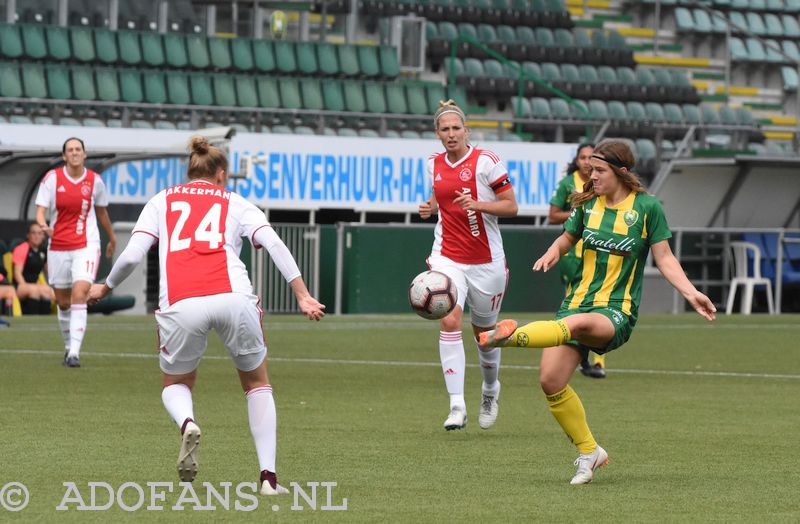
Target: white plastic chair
(742, 253)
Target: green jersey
(616, 241)
(562, 199)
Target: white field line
(350, 362)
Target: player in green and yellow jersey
(577, 176)
(618, 223)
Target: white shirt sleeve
(280, 254)
(490, 171)
(99, 194)
(148, 218)
(130, 257)
(44, 197)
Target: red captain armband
(502, 184)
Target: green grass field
(700, 421)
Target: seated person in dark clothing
(30, 259)
(7, 295)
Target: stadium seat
(10, 81)
(333, 96)
(789, 76)
(617, 111)
(303, 130)
(407, 133)
(219, 52)
(396, 101)
(242, 54)
(10, 41)
(773, 49)
(560, 109)
(434, 93)
(755, 24)
(745, 259)
(130, 50)
(598, 110)
(709, 115)
(791, 28)
(738, 50)
(773, 25)
(673, 114)
(224, 90)
(107, 83)
(58, 84)
(311, 92)
(354, 96)
(579, 110)
(520, 107)
(417, 99)
(790, 48)
(264, 56)
(368, 61)
(284, 57)
(200, 87)
(83, 83)
(347, 131)
(33, 40)
(290, 93)
(268, 94)
(655, 112)
(703, 24)
(691, 114)
(391, 133)
(58, 47)
(684, 22)
(178, 88)
(645, 157)
(533, 78)
(348, 60)
(306, 58)
(152, 49)
(130, 86)
(197, 51)
(374, 97)
(514, 49)
(246, 93)
(327, 59)
(175, 53)
(155, 87)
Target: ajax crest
(630, 217)
(465, 175)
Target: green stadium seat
(788, 74)
(242, 51)
(82, 44)
(348, 60)
(93, 122)
(354, 96)
(141, 124)
(303, 130)
(434, 93)
(264, 56)
(458, 94)
(709, 115)
(755, 50)
(333, 96)
(10, 81)
(390, 66)
(130, 49)
(417, 100)
(152, 49)
(408, 133)
(155, 88)
(306, 58)
(164, 124)
(772, 48)
(20, 119)
(290, 93)
(560, 109)
(737, 19)
(58, 84)
(684, 22)
(374, 97)
(326, 59)
(58, 47)
(368, 133)
(83, 83)
(756, 25)
(33, 41)
(617, 111)
(718, 22)
(598, 109)
(178, 88)
(219, 51)
(773, 25)
(396, 98)
(391, 133)
(655, 112)
(285, 57)
(368, 61)
(691, 114)
(200, 86)
(702, 21)
(282, 130)
(43, 120)
(197, 51)
(268, 94)
(175, 50)
(520, 107)
(224, 90)
(540, 108)
(107, 82)
(791, 28)
(10, 41)
(636, 112)
(347, 131)
(738, 49)
(673, 114)
(727, 116)
(246, 91)
(311, 92)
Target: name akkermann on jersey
(194, 190)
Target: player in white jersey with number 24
(204, 285)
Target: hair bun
(199, 145)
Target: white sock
(177, 399)
(77, 328)
(451, 353)
(490, 368)
(263, 425)
(64, 316)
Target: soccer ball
(432, 295)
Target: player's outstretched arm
(309, 305)
(550, 258)
(130, 257)
(673, 272)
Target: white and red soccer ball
(432, 295)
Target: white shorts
(64, 268)
(183, 331)
(480, 286)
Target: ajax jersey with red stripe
(199, 227)
(71, 206)
(467, 237)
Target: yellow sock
(540, 334)
(600, 359)
(568, 410)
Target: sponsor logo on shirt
(438, 177)
(623, 247)
(61, 189)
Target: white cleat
(268, 490)
(490, 405)
(456, 420)
(587, 464)
(188, 457)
